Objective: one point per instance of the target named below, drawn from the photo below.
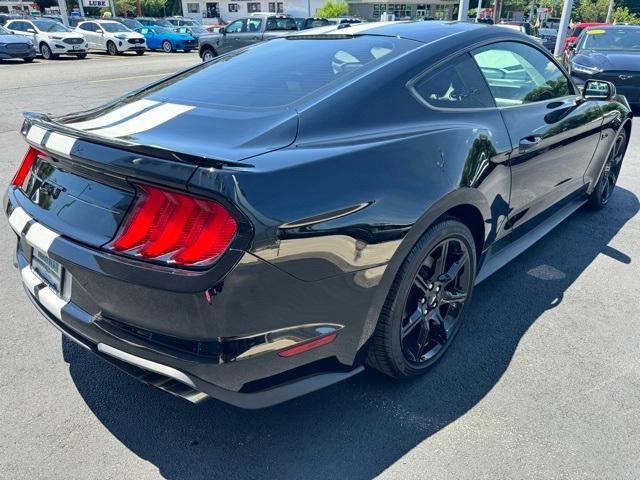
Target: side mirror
(598, 90)
(30, 30)
(222, 30)
(571, 47)
(99, 30)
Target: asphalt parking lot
(543, 380)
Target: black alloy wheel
(609, 176)
(437, 296)
(426, 303)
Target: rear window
(281, 71)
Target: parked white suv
(50, 38)
(111, 36)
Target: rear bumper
(181, 343)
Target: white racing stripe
(115, 116)
(52, 302)
(41, 237)
(18, 219)
(30, 280)
(145, 121)
(36, 134)
(60, 144)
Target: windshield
(612, 39)
(157, 29)
(132, 23)
(281, 24)
(49, 26)
(113, 27)
(162, 22)
(281, 71)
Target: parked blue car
(161, 38)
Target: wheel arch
(467, 205)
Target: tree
(332, 9)
(42, 4)
(128, 6)
(623, 15)
(591, 11)
(153, 8)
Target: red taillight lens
(27, 162)
(175, 228)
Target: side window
(89, 27)
(456, 84)
(518, 73)
(235, 27)
(16, 26)
(253, 24)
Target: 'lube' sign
(95, 3)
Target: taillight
(27, 162)
(174, 228)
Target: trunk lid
(206, 131)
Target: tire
(395, 348)
(609, 175)
(46, 52)
(112, 49)
(167, 47)
(139, 52)
(208, 54)
(29, 60)
(81, 56)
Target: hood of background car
(202, 131)
(610, 61)
(63, 34)
(13, 39)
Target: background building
(371, 10)
(232, 9)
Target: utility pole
(610, 11)
(81, 8)
(478, 10)
(463, 11)
(497, 11)
(62, 5)
(564, 25)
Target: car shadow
(360, 427)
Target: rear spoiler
(45, 123)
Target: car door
(554, 132)
(150, 36)
(233, 35)
(253, 33)
(88, 32)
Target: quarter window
(518, 73)
(457, 84)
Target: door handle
(527, 143)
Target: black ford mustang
(609, 53)
(267, 223)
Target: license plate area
(51, 272)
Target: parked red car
(577, 30)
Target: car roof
(589, 24)
(614, 27)
(420, 31)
